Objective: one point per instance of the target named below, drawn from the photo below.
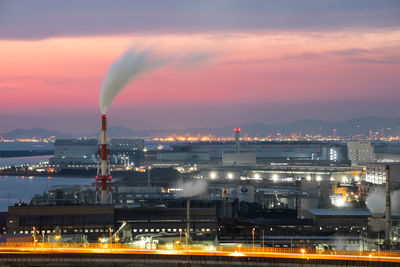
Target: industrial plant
(316, 195)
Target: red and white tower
(237, 139)
(103, 177)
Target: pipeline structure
(103, 177)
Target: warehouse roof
(330, 212)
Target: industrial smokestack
(237, 139)
(388, 208)
(187, 220)
(103, 188)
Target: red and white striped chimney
(103, 189)
(237, 139)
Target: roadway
(46, 253)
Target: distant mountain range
(356, 126)
(34, 132)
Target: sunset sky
(258, 62)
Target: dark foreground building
(96, 221)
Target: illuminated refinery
(319, 196)
(231, 133)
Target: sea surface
(14, 189)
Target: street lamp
(110, 231)
(57, 237)
(148, 175)
(252, 232)
(186, 237)
(34, 236)
(303, 251)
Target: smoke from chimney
(121, 72)
(135, 62)
(192, 188)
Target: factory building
(128, 152)
(88, 220)
(387, 152)
(333, 220)
(364, 152)
(156, 220)
(239, 159)
(281, 173)
(95, 221)
(376, 174)
(80, 153)
(360, 152)
(273, 151)
(74, 151)
(185, 157)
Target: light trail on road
(49, 248)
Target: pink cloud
(64, 73)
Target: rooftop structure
(273, 151)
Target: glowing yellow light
(236, 254)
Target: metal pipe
(187, 219)
(388, 208)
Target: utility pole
(187, 220)
(110, 230)
(263, 239)
(148, 176)
(253, 236)
(378, 243)
(388, 208)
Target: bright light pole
(252, 232)
(34, 236)
(57, 237)
(186, 237)
(148, 175)
(303, 251)
(110, 231)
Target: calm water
(19, 188)
(22, 188)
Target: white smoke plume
(193, 188)
(132, 63)
(376, 200)
(135, 62)
(339, 242)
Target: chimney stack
(237, 139)
(103, 188)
